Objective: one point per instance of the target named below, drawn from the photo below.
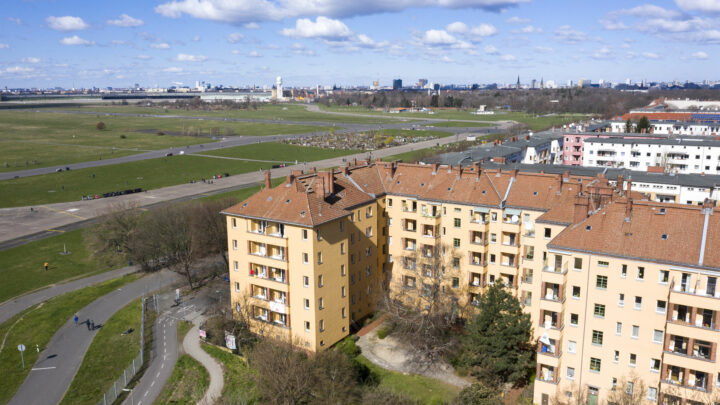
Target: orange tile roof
(607, 232)
(665, 116)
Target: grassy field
(281, 152)
(22, 267)
(426, 390)
(239, 387)
(241, 194)
(187, 384)
(414, 133)
(41, 138)
(282, 112)
(108, 355)
(36, 325)
(458, 124)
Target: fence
(118, 385)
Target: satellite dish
(545, 339)
(529, 225)
(515, 218)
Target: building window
(389, 202)
(576, 291)
(548, 233)
(655, 365)
(635, 331)
(574, 319)
(456, 262)
(455, 282)
(305, 258)
(321, 303)
(342, 312)
(594, 364)
(342, 248)
(601, 282)
(304, 234)
(493, 216)
(621, 300)
(623, 271)
(456, 222)
(493, 238)
(368, 231)
(664, 276)
(572, 346)
(236, 265)
(234, 223)
(237, 287)
(342, 270)
(602, 263)
(320, 280)
(319, 257)
(657, 336)
(307, 303)
(456, 242)
(317, 235)
(652, 394)
(641, 273)
(661, 307)
(570, 373)
(599, 310)
(638, 303)
(616, 356)
(578, 263)
(618, 328)
(597, 337)
(633, 359)
(307, 326)
(322, 327)
(234, 244)
(306, 281)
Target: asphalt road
(59, 362)
(10, 308)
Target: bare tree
(115, 231)
(209, 228)
(171, 226)
(578, 395)
(422, 312)
(630, 390)
(284, 376)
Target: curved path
(13, 306)
(191, 345)
(57, 364)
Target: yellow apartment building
(311, 257)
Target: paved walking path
(52, 216)
(191, 345)
(13, 306)
(57, 364)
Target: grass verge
(37, 325)
(238, 377)
(281, 152)
(424, 389)
(22, 267)
(187, 384)
(108, 355)
(459, 124)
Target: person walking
(46, 266)
(76, 319)
(92, 325)
(88, 323)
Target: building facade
(313, 256)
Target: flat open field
(281, 112)
(40, 138)
(280, 152)
(146, 174)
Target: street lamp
(132, 400)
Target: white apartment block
(673, 128)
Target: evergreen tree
(628, 126)
(644, 123)
(496, 346)
(478, 394)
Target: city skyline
(68, 44)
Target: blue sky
(84, 43)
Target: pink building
(574, 143)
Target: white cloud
(143, 57)
(267, 10)
(254, 54)
(173, 70)
(475, 33)
(508, 58)
(125, 21)
(447, 59)
(365, 41)
(699, 55)
(323, 27)
(18, 69)
(183, 57)
(66, 23)
(235, 37)
(490, 50)
(612, 23)
(566, 33)
(196, 38)
(517, 20)
(712, 6)
(650, 10)
(650, 55)
(543, 49)
(252, 26)
(530, 29)
(442, 39)
(602, 53)
(457, 27)
(4, 46)
(30, 59)
(15, 20)
(160, 45)
(119, 42)
(300, 49)
(76, 40)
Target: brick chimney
(393, 169)
(628, 189)
(297, 173)
(620, 182)
(435, 167)
(330, 181)
(345, 170)
(290, 178)
(708, 204)
(628, 209)
(268, 184)
(581, 208)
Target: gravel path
(191, 345)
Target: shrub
(161, 133)
(348, 347)
(123, 136)
(100, 125)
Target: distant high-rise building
(533, 83)
(518, 83)
(376, 83)
(542, 83)
(397, 84)
(422, 82)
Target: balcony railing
(430, 214)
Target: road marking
(43, 368)
(64, 212)
(157, 375)
(54, 230)
(146, 392)
(162, 365)
(152, 383)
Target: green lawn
(40, 138)
(146, 174)
(458, 124)
(22, 267)
(412, 156)
(424, 389)
(36, 325)
(239, 387)
(187, 384)
(284, 112)
(414, 132)
(281, 152)
(108, 355)
(241, 194)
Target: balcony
(273, 274)
(476, 280)
(547, 374)
(434, 213)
